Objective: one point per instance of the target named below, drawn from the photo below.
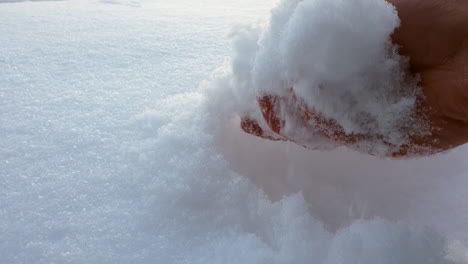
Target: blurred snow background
(112, 152)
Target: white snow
(111, 152)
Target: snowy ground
(112, 152)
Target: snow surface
(111, 152)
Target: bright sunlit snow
(119, 143)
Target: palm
(434, 35)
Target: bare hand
(434, 34)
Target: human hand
(434, 34)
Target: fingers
(296, 107)
(251, 126)
(293, 107)
(269, 105)
(276, 109)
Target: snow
(111, 152)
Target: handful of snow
(337, 57)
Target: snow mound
(204, 211)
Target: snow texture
(111, 153)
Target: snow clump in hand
(337, 59)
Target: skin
(434, 34)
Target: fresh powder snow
(120, 143)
